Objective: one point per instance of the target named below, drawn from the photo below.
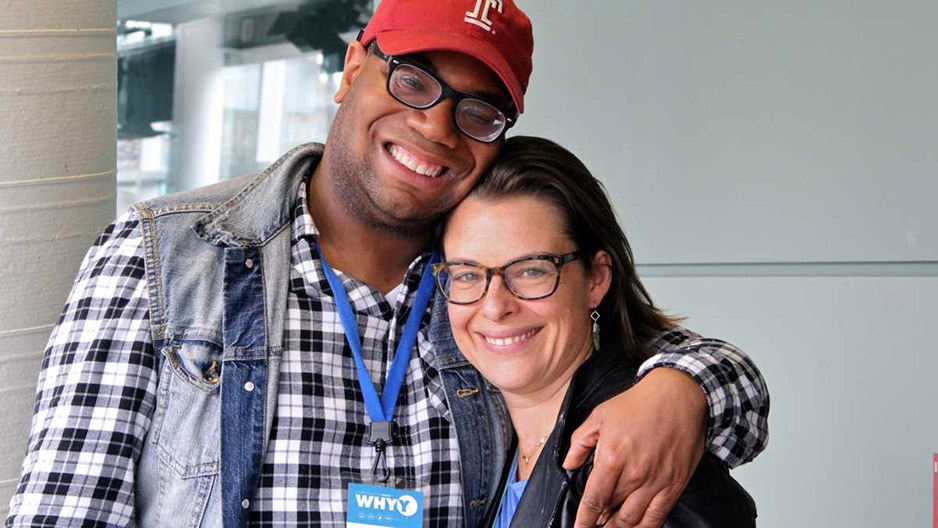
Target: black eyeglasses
(417, 88)
(528, 278)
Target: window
(203, 98)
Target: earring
(594, 315)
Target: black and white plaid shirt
(97, 392)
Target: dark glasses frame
(446, 92)
(558, 260)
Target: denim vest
(217, 263)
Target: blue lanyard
(382, 411)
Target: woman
(545, 303)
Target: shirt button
(245, 503)
(249, 386)
(249, 263)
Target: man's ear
(355, 57)
(600, 277)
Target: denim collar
(265, 206)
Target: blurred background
(210, 90)
(774, 166)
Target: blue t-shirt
(511, 497)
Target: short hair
(539, 168)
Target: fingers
(590, 513)
(595, 500)
(649, 491)
(582, 443)
(598, 494)
(639, 512)
(643, 466)
(604, 518)
(659, 508)
(632, 511)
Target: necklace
(537, 446)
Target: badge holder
(386, 501)
(379, 507)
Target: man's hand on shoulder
(648, 441)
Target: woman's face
(523, 347)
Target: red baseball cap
(495, 32)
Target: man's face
(397, 168)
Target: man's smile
(412, 162)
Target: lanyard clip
(380, 460)
(379, 435)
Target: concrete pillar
(57, 171)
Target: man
(212, 365)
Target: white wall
(794, 126)
(774, 165)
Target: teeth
(509, 340)
(408, 161)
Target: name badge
(378, 507)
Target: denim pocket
(186, 424)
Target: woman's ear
(600, 277)
(355, 56)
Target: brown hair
(539, 168)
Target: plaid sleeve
(95, 394)
(736, 393)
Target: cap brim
(402, 42)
